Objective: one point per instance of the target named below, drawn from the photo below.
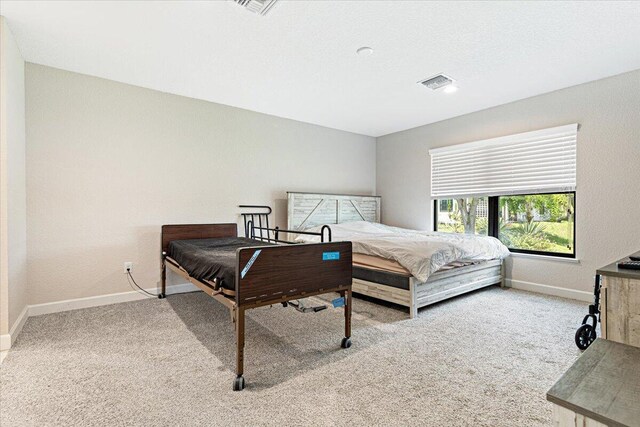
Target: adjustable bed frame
(266, 275)
(306, 210)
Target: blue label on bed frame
(246, 268)
(330, 256)
(338, 302)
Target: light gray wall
(109, 163)
(608, 176)
(13, 237)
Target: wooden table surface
(603, 384)
(625, 273)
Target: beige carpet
(484, 359)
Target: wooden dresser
(620, 304)
(602, 388)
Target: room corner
(13, 250)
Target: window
(537, 222)
(518, 188)
(533, 223)
(463, 215)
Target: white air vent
(436, 82)
(257, 6)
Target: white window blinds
(542, 161)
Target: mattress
(378, 263)
(210, 259)
(372, 262)
(419, 252)
(391, 273)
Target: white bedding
(420, 252)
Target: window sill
(546, 257)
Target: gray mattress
(388, 278)
(209, 259)
(400, 281)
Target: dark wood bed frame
(277, 275)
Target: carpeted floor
(484, 359)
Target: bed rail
(261, 231)
(259, 212)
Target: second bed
(407, 267)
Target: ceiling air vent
(436, 82)
(261, 7)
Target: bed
(245, 273)
(406, 267)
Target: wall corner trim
(7, 340)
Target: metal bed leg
(238, 383)
(346, 341)
(163, 280)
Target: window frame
(493, 223)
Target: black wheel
(346, 342)
(161, 296)
(585, 335)
(238, 383)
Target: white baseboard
(7, 340)
(78, 303)
(549, 290)
(17, 327)
(74, 304)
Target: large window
(526, 185)
(532, 223)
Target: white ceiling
(299, 61)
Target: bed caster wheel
(346, 342)
(238, 383)
(161, 296)
(585, 335)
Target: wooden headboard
(306, 210)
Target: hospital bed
(243, 273)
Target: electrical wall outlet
(128, 266)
